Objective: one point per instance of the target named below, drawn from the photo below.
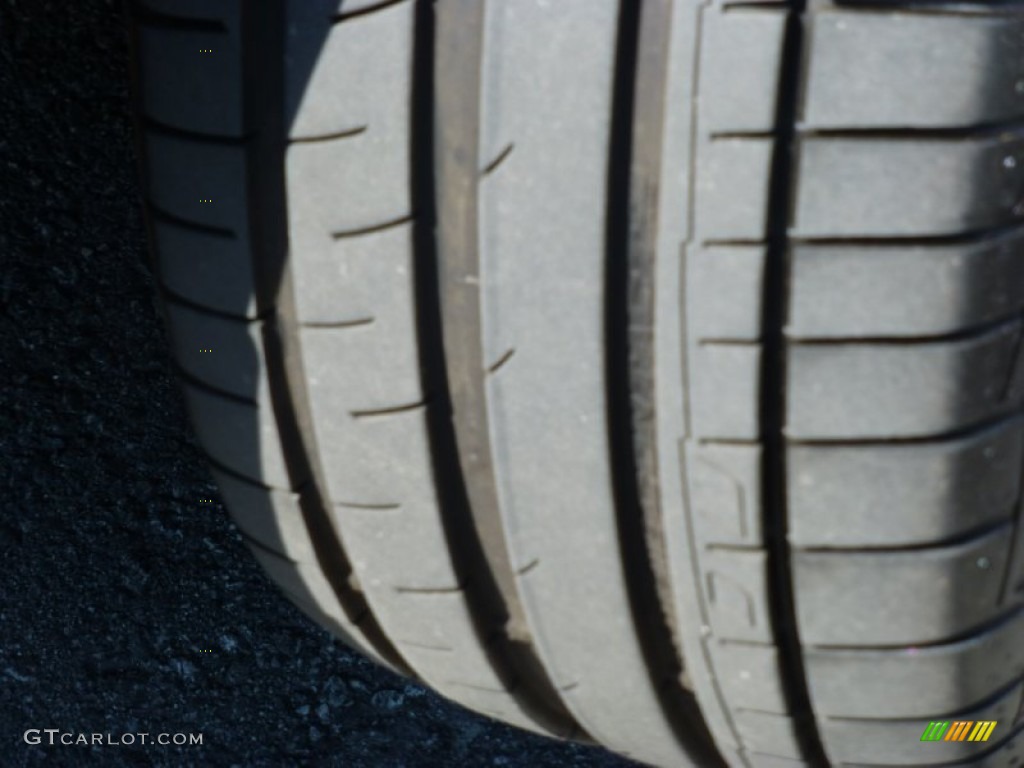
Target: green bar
(935, 731)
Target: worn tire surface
(644, 373)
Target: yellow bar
(990, 726)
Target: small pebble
(387, 700)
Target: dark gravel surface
(126, 604)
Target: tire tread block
(884, 391)
(912, 597)
(924, 71)
(916, 682)
(907, 495)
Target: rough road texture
(115, 578)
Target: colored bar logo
(958, 730)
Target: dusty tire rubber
(638, 372)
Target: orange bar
(958, 731)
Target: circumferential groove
(633, 182)
(772, 404)
(288, 395)
(450, 322)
